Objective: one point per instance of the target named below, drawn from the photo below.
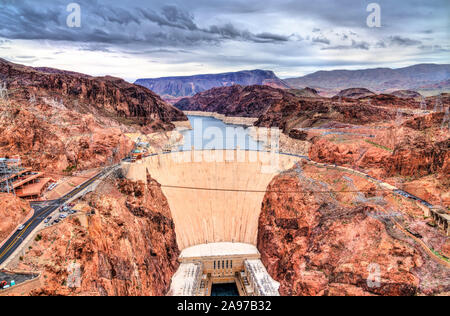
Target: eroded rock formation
(250, 101)
(355, 93)
(13, 211)
(58, 120)
(330, 243)
(124, 244)
(103, 96)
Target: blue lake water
(211, 133)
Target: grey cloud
(170, 26)
(231, 34)
(320, 39)
(381, 44)
(434, 48)
(354, 45)
(272, 37)
(403, 41)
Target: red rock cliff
(58, 120)
(314, 245)
(13, 211)
(128, 247)
(104, 96)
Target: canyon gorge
(319, 226)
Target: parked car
(62, 216)
(46, 221)
(21, 227)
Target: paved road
(41, 211)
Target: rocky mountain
(330, 244)
(104, 96)
(379, 79)
(301, 108)
(249, 101)
(172, 88)
(13, 211)
(406, 94)
(126, 246)
(306, 92)
(58, 120)
(355, 93)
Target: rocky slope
(250, 101)
(407, 94)
(104, 96)
(419, 157)
(378, 79)
(290, 109)
(355, 93)
(314, 112)
(13, 212)
(126, 246)
(175, 87)
(53, 140)
(412, 153)
(306, 92)
(57, 120)
(330, 244)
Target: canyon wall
(331, 243)
(103, 96)
(13, 212)
(249, 101)
(58, 120)
(122, 243)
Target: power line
(265, 191)
(238, 190)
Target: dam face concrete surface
(214, 196)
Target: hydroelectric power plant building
(20, 181)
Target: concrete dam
(215, 197)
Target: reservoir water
(211, 133)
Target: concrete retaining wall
(246, 121)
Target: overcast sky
(156, 38)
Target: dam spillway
(214, 195)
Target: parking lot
(63, 212)
(11, 279)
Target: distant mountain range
(420, 77)
(425, 78)
(175, 88)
